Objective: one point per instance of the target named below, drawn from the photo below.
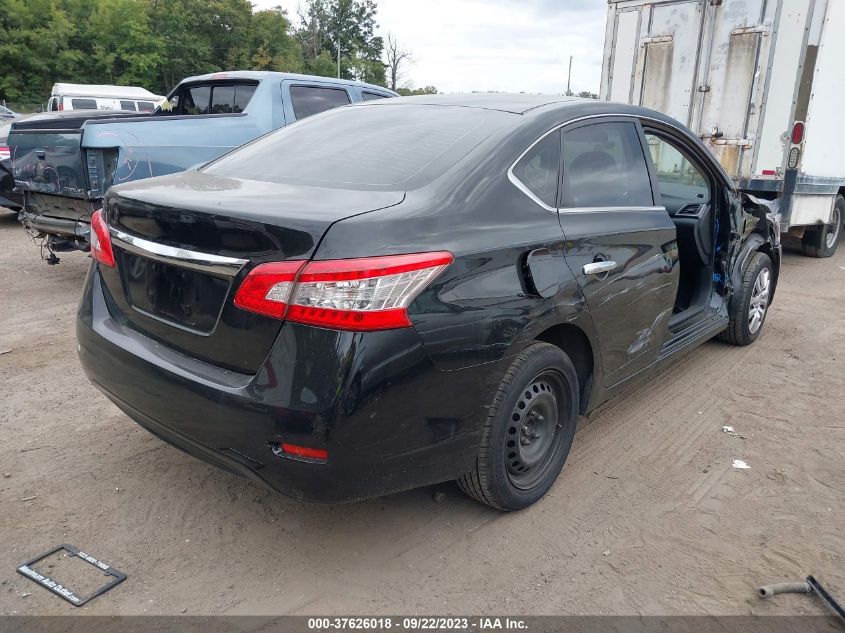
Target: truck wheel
(528, 431)
(750, 302)
(822, 241)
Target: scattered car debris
(26, 569)
(32, 498)
(738, 463)
(4, 351)
(810, 586)
(730, 431)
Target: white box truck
(760, 81)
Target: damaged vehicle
(64, 163)
(411, 291)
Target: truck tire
(750, 302)
(822, 241)
(528, 431)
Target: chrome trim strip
(203, 262)
(566, 210)
(607, 115)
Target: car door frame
(644, 341)
(287, 101)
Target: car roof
(524, 104)
(505, 102)
(259, 75)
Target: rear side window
(195, 100)
(243, 94)
(54, 105)
(84, 104)
(230, 99)
(146, 106)
(604, 166)
(309, 100)
(538, 170)
(127, 105)
(370, 96)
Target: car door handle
(598, 268)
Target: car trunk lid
(183, 244)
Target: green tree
(425, 90)
(346, 27)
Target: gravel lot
(648, 517)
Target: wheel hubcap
(533, 433)
(833, 228)
(759, 300)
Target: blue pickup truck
(64, 164)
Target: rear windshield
(363, 147)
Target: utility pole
(338, 58)
(569, 77)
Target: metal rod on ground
(810, 585)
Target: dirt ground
(648, 517)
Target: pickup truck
(64, 164)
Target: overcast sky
(506, 45)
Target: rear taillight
(61, 105)
(101, 249)
(370, 293)
(797, 132)
(4, 152)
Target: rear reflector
(304, 452)
(369, 293)
(101, 249)
(797, 132)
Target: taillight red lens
(4, 152)
(797, 132)
(370, 293)
(101, 249)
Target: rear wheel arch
(774, 255)
(575, 343)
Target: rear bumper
(76, 229)
(389, 420)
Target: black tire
(740, 330)
(822, 241)
(542, 373)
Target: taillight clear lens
(101, 249)
(371, 293)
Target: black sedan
(411, 291)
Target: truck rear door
(667, 59)
(730, 100)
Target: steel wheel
(759, 301)
(832, 230)
(533, 435)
